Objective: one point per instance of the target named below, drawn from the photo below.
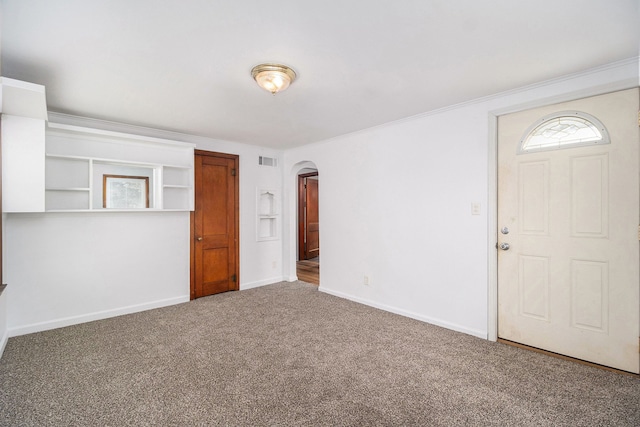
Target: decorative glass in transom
(564, 130)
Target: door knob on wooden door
(199, 239)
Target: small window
(566, 129)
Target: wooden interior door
(308, 217)
(569, 280)
(214, 225)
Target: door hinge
(638, 232)
(234, 278)
(638, 118)
(233, 172)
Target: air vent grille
(268, 161)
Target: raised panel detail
(215, 201)
(590, 196)
(533, 192)
(533, 281)
(215, 265)
(590, 295)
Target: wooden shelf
(116, 210)
(176, 186)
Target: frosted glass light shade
(273, 77)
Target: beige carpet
(286, 355)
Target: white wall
(66, 268)
(256, 258)
(4, 331)
(395, 205)
(3, 298)
(22, 147)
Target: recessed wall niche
(267, 219)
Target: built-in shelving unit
(267, 218)
(77, 159)
(67, 182)
(177, 185)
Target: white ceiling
(184, 65)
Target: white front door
(569, 280)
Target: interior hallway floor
(308, 270)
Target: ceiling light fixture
(273, 77)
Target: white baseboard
(257, 284)
(3, 342)
(405, 313)
(89, 317)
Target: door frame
(192, 224)
(492, 184)
(301, 207)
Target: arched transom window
(566, 129)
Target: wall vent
(268, 161)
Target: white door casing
(569, 283)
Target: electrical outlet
(366, 280)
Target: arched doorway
(308, 260)
(304, 225)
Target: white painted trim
(90, 317)
(293, 278)
(264, 282)
(567, 97)
(118, 135)
(626, 83)
(290, 217)
(492, 230)
(19, 84)
(23, 99)
(426, 319)
(3, 342)
(68, 119)
(492, 181)
(98, 210)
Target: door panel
(215, 224)
(569, 282)
(590, 196)
(215, 196)
(533, 183)
(533, 281)
(312, 225)
(308, 217)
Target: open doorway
(308, 260)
